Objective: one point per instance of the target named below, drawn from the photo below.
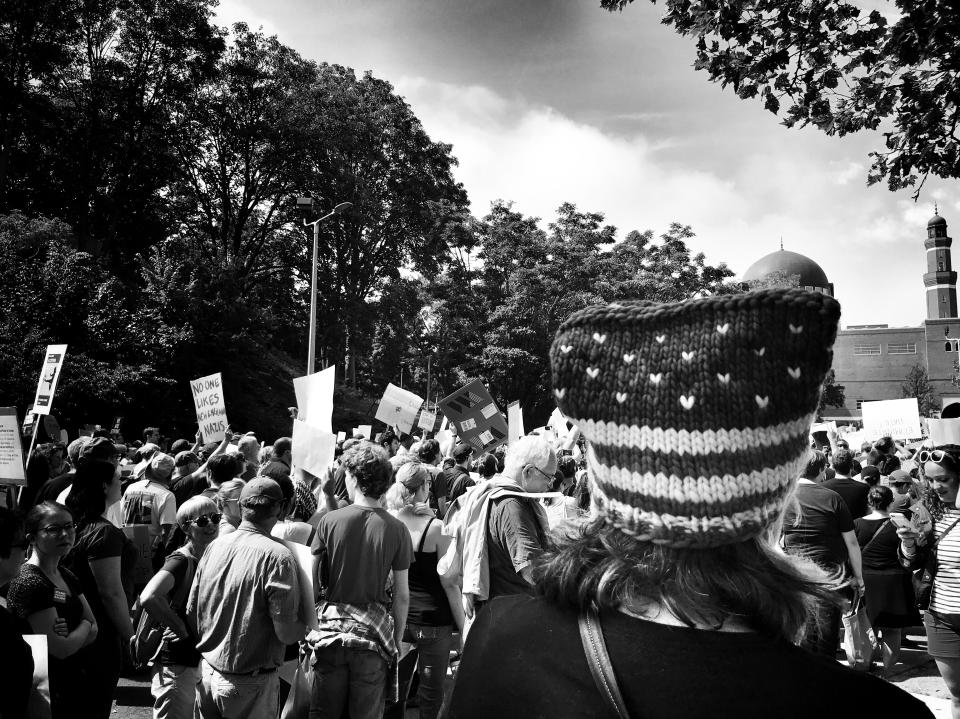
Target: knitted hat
(697, 413)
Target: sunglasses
(935, 455)
(204, 519)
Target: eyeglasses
(204, 519)
(59, 528)
(549, 477)
(935, 455)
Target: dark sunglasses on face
(204, 519)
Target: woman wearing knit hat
(675, 600)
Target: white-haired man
(503, 522)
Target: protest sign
(944, 431)
(444, 423)
(11, 451)
(365, 429)
(427, 421)
(304, 558)
(49, 375)
(139, 535)
(211, 407)
(897, 418)
(313, 448)
(399, 408)
(341, 436)
(315, 398)
(514, 422)
(475, 414)
(559, 424)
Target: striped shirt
(946, 585)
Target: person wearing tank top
(435, 609)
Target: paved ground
(916, 673)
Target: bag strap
(937, 541)
(883, 524)
(423, 535)
(599, 661)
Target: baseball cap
(261, 487)
(413, 475)
(898, 476)
(869, 472)
(462, 450)
(161, 464)
(98, 448)
(186, 457)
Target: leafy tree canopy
(842, 69)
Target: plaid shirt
(361, 626)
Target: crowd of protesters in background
(413, 551)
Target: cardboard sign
(898, 418)
(559, 424)
(365, 429)
(944, 431)
(11, 451)
(315, 398)
(304, 558)
(474, 413)
(341, 436)
(211, 407)
(514, 422)
(139, 534)
(49, 375)
(313, 448)
(427, 420)
(399, 408)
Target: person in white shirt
(150, 502)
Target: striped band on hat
(697, 413)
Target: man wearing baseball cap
(902, 485)
(150, 502)
(245, 606)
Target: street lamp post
(305, 204)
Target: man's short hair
(149, 432)
(180, 445)
(842, 461)
(387, 437)
(530, 450)
(816, 463)
(222, 468)
(370, 467)
(873, 457)
(182, 459)
(282, 446)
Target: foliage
(832, 394)
(917, 384)
(843, 70)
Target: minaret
(939, 279)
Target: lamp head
(305, 205)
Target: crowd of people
(683, 552)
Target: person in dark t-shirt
(854, 493)
(455, 480)
(819, 527)
(356, 549)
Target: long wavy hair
(754, 581)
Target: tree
(832, 65)
(832, 394)
(917, 384)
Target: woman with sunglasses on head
(938, 549)
(51, 599)
(176, 668)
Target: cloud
(801, 186)
(229, 12)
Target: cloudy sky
(552, 101)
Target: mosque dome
(790, 264)
(936, 220)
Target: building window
(860, 403)
(904, 348)
(865, 349)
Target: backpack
(148, 632)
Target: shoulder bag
(148, 631)
(599, 662)
(923, 577)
